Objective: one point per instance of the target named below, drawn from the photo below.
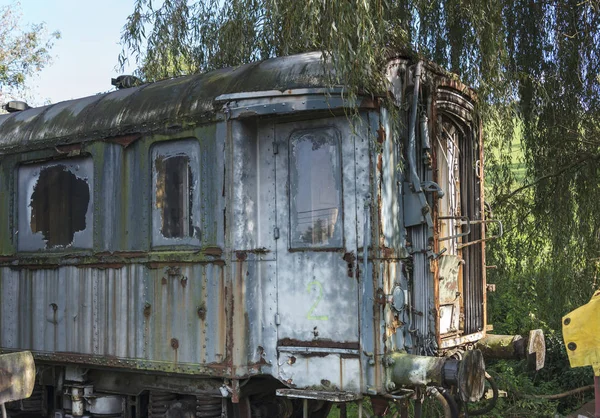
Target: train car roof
(157, 105)
(172, 103)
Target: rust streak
(381, 135)
(68, 148)
(124, 140)
(122, 254)
(369, 103)
(241, 255)
(163, 264)
(290, 342)
(213, 251)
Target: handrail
(486, 221)
(464, 220)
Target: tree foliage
(535, 63)
(23, 52)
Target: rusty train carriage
(197, 245)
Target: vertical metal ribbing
(419, 234)
(471, 254)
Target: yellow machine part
(581, 332)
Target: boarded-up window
(176, 213)
(315, 189)
(55, 205)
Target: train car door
(316, 229)
(460, 222)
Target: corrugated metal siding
(255, 305)
(473, 283)
(132, 312)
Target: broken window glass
(316, 189)
(174, 196)
(176, 206)
(55, 205)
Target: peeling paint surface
(240, 224)
(317, 301)
(333, 372)
(131, 313)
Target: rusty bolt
(174, 343)
(174, 271)
(291, 360)
(54, 306)
(183, 281)
(202, 312)
(147, 309)
(567, 321)
(241, 255)
(572, 346)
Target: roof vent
(15, 106)
(126, 81)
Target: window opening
(59, 204)
(315, 193)
(174, 195)
(176, 183)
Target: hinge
(275, 147)
(276, 233)
(277, 319)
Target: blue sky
(86, 55)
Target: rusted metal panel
(328, 372)
(133, 313)
(391, 220)
(458, 214)
(397, 308)
(316, 298)
(253, 190)
(253, 327)
(318, 395)
(370, 321)
(449, 293)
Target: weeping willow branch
(559, 395)
(582, 161)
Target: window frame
(333, 135)
(189, 147)
(27, 176)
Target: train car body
(234, 244)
